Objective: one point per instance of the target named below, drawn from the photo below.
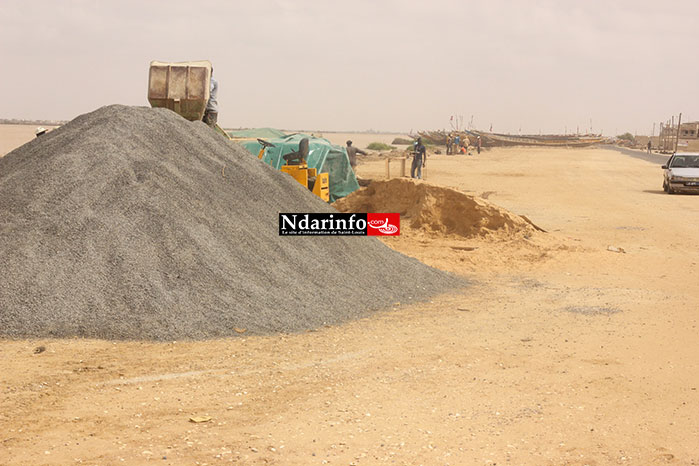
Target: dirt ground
(13, 136)
(562, 352)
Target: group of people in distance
(419, 153)
(458, 145)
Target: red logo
(383, 224)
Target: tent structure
(322, 155)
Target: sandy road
(562, 352)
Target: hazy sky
(357, 65)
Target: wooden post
(388, 168)
(672, 126)
(677, 139)
(402, 167)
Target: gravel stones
(133, 223)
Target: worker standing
(211, 113)
(649, 146)
(479, 144)
(419, 156)
(352, 154)
(449, 144)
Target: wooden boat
(552, 140)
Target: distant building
(689, 130)
(687, 139)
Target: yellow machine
(318, 183)
(297, 168)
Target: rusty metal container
(181, 87)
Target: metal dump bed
(181, 87)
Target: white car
(681, 173)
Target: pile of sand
(435, 209)
(133, 223)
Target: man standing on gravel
(352, 154)
(211, 113)
(419, 156)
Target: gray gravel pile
(133, 223)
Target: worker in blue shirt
(419, 156)
(211, 112)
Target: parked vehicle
(681, 173)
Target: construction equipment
(181, 87)
(263, 147)
(184, 88)
(322, 155)
(297, 167)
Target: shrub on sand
(379, 146)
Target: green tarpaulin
(322, 155)
(263, 133)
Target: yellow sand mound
(434, 209)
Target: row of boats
(500, 140)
